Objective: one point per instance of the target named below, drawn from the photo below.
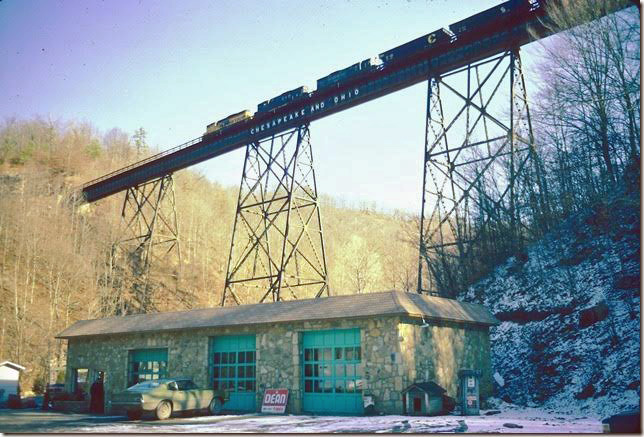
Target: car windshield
(145, 385)
(186, 384)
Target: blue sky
(174, 66)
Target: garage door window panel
(146, 365)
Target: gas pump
(469, 380)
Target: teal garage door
(331, 372)
(146, 364)
(232, 367)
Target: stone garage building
(327, 352)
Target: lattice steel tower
(478, 144)
(277, 248)
(150, 231)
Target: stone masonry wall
(442, 349)
(395, 353)
(384, 368)
(399, 352)
(187, 354)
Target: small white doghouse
(423, 399)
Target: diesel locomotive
(495, 16)
(231, 119)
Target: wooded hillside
(56, 263)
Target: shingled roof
(334, 307)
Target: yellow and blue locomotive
(231, 119)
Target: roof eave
(449, 319)
(396, 314)
(331, 319)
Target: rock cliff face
(570, 310)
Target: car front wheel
(164, 410)
(215, 406)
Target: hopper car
(483, 19)
(476, 23)
(412, 47)
(283, 99)
(338, 77)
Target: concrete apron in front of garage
(514, 420)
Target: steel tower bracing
(150, 231)
(277, 249)
(478, 143)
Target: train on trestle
(338, 78)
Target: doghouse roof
(428, 387)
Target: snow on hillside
(570, 309)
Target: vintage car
(165, 396)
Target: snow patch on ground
(510, 420)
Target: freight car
(479, 22)
(283, 99)
(342, 75)
(338, 76)
(230, 120)
(370, 64)
(424, 42)
(483, 19)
